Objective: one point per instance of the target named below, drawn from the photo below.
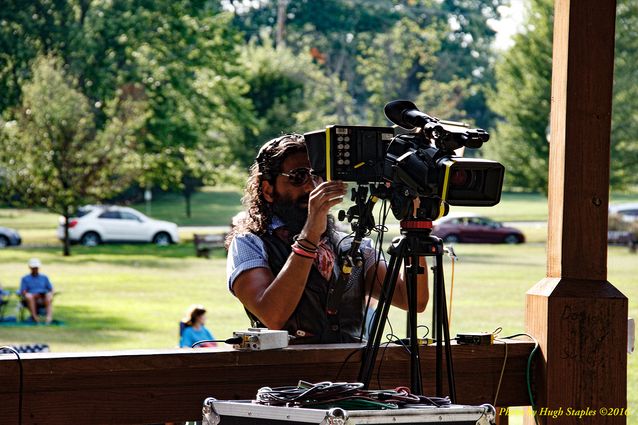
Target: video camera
(404, 165)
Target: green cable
(528, 372)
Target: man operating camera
(283, 258)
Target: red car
(475, 229)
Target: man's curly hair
(257, 211)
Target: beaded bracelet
(303, 253)
(298, 238)
(305, 248)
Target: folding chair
(23, 306)
(4, 302)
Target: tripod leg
(376, 330)
(411, 275)
(445, 328)
(437, 327)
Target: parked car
(475, 229)
(9, 237)
(96, 224)
(627, 212)
(623, 224)
(621, 237)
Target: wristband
(305, 248)
(303, 253)
(298, 238)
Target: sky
(511, 19)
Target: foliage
(290, 94)
(624, 149)
(196, 93)
(522, 98)
(466, 54)
(180, 56)
(390, 67)
(384, 49)
(54, 155)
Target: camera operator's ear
(267, 189)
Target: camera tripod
(415, 242)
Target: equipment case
(247, 413)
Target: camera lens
(460, 178)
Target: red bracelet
(299, 251)
(304, 248)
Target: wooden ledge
(151, 386)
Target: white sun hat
(35, 263)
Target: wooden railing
(143, 387)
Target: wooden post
(578, 317)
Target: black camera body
(405, 165)
(349, 153)
(435, 173)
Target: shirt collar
(275, 223)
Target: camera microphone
(405, 114)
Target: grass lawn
(133, 296)
(122, 296)
(209, 207)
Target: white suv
(95, 224)
(628, 212)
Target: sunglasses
(300, 176)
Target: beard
(291, 212)
(294, 215)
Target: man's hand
(322, 198)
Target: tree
(466, 54)
(196, 92)
(446, 44)
(289, 93)
(624, 149)
(522, 99)
(54, 155)
(181, 54)
(392, 69)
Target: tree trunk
(67, 243)
(187, 198)
(281, 23)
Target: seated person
(282, 257)
(194, 329)
(37, 291)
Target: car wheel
(4, 242)
(162, 239)
(512, 239)
(90, 239)
(451, 239)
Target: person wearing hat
(37, 290)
